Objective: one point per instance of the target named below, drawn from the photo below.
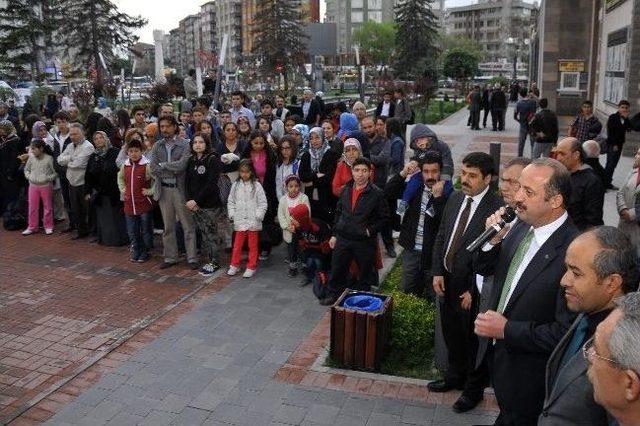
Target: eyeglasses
(135, 139)
(589, 353)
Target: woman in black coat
(316, 170)
(101, 188)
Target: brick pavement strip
(64, 306)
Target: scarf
(107, 144)
(318, 153)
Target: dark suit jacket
(462, 277)
(392, 108)
(314, 112)
(568, 392)
(537, 318)
(616, 130)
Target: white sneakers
(48, 231)
(28, 232)
(233, 270)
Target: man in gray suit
(601, 266)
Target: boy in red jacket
(136, 188)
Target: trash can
(360, 329)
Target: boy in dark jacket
(360, 214)
(421, 220)
(136, 186)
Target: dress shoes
(165, 264)
(439, 386)
(466, 403)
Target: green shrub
(39, 96)
(411, 350)
(7, 93)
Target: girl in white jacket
(246, 207)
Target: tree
(376, 41)
(416, 37)
(280, 43)
(26, 27)
(94, 27)
(459, 64)
(449, 42)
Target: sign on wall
(570, 65)
(616, 65)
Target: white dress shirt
(540, 236)
(474, 206)
(385, 109)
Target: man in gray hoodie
(423, 140)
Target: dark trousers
(79, 208)
(314, 265)
(140, 231)
(612, 161)
(415, 279)
(497, 119)
(293, 251)
(361, 252)
(462, 345)
(484, 117)
(475, 119)
(64, 188)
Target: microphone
(508, 215)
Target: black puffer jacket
(371, 213)
(101, 176)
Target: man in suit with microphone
(454, 280)
(528, 314)
(601, 266)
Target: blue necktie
(576, 342)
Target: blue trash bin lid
(362, 302)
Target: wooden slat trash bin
(359, 339)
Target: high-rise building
(175, 51)
(229, 21)
(190, 41)
(491, 23)
(349, 15)
(208, 40)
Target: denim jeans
(314, 265)
(140, 233)
(522, 139)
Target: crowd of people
(530, 312)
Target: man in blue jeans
(525, 110)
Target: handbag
(224, 186)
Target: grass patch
(436, 111)
(412, 336)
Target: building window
(570, 81)
(356, 16)
(375, 16)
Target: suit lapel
(452, 220)
(574, 368)
(552, 379)
(543, 257)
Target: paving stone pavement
(216, 367)
(216, 364)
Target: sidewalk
(224, 358)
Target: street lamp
(513, 42)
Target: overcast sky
(165, 14)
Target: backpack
(320, 285)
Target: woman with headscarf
(348, 124)
(351, 151)
(301, 133)
(101, 188)
(317, 169)
(244, 128)
(102, 108)
(12, 181)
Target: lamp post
(514, 42)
